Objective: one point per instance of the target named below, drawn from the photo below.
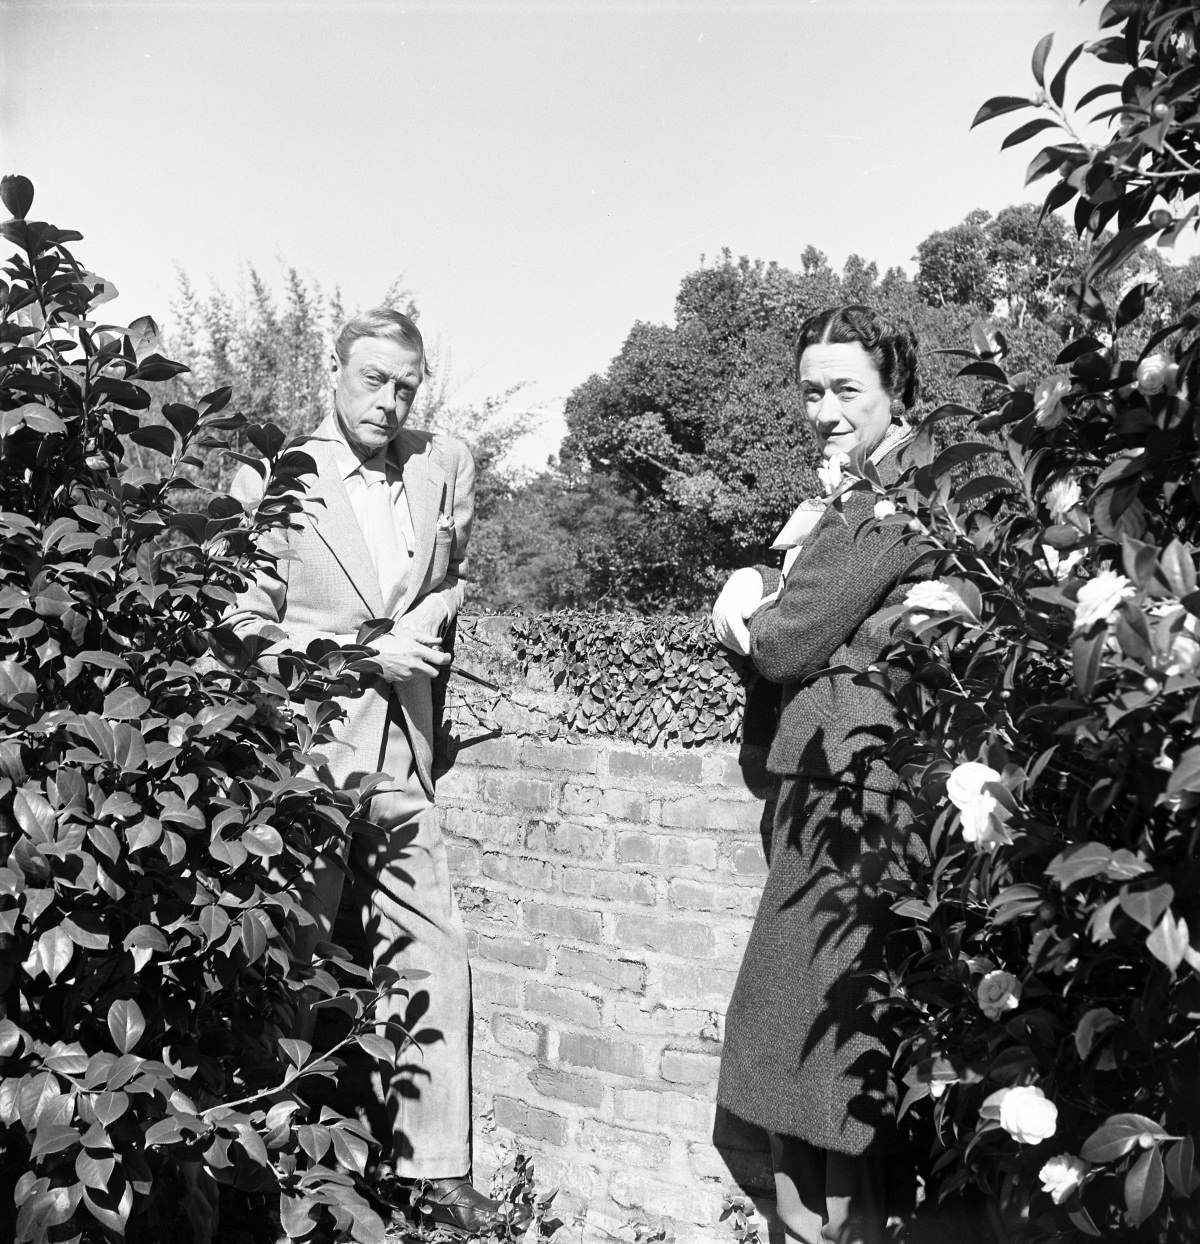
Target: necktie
(386, 533)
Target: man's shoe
(458, 1204)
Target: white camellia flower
(1062, 1175)
(884, 508)
(1098, 600)
(1027, 1114)
(831, 470)
(998, 992)
(934, 596)
(976, 806)
(1154, 374)
(1048, 401)
(1061, 564)
(1063, 495)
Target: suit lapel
(332, 518)
(424, 483)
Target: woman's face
(844, 398)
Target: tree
(953, 266)
(698, 423)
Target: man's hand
(408, 652)
(740, 597)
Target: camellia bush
(158, 810)
(1051, 1020)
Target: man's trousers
(400, 888)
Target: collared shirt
(358, 474)
(386, 523)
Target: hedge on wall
(654, 681)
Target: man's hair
(891, 344)
(382, 322)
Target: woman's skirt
(806, 1050)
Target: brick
(569, 1170)
(530, 1121)
(666, 850)
(489, 631)
(520, 952)
(485, 902)
(568, 1004)
(748, 860)
(501, 752)
(665, 1021)
(688, 895)
(519, 1035)
(563, 922)
(665, 1109)
(600, 970)
(653, 1196)
(694, 985)
(518, 792)
(660, 766)
(751, 1171)
(490, 829)
(564, 838)
(609, 887)
(621, 1058)
(457, 785)
(463, 861)
(741, 770)
(568, 1086)
(617, 805)
(493, 1071)
(641, 1150)
(560, 757)
(521, 870)
(685, 1067)
(707, 812)
(495, 988)
(675, 937)
(732, 939)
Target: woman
(804, 1054)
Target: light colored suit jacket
(327, 586)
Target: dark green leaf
(1147, 906)
(1000, 104)
(1114, 252)
(126, 1024)
(1040, 53)
(1144, 1186)
(125, 704)
(1058, 84)
(1118, 1135)
(1028, 130)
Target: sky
(540, 173)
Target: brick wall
(609, 891)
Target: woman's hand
(740, 597)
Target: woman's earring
(897, 409)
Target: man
(383, 534)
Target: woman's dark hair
(892, 345)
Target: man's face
(374, 391)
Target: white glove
(740, 597)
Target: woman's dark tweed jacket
(804, 1055)
(851, 568)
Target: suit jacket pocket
(442, 545)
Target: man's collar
(347, 461)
